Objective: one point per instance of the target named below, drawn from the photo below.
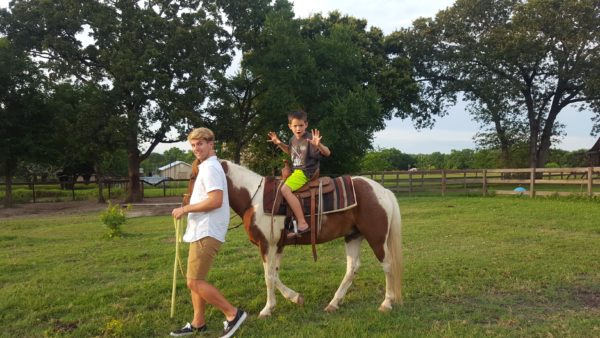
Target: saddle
(319, 196)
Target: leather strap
(313, 230)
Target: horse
(376, 218)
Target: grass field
(474, 267)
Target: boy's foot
(298, 233)
(231, 326)
(188, 329)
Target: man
(208, 219)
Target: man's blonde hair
(201, 134)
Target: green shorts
(296, 180)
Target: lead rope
(177, 224)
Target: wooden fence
(528, 181)
(531, 182)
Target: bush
(113, 218)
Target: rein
(252, 198)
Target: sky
(452, 132)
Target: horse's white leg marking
(288, 293)
(392, 262)
(270, 277)
(386, 305)
(352, 265)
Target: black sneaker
(231, 326)
(188, 329)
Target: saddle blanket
(341, 197)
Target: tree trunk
(548, 132)
(8, 200)
(134, 192)
(100, 181)
(534, 124)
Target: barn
(593, 155)
(176, 170)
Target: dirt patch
(150, 206)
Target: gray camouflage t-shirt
(304, 156)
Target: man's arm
(214, 201)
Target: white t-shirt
(213, 223)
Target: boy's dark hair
(298, 114)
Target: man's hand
(178, 212)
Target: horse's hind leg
(352, 265)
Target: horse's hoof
(264, 314)
(385, 308)
(299, 300)
(331, 308)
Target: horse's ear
(225, 166)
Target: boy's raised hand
(273, 138)
(316, 137)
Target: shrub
(113, 218)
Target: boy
(306, 151)
(208, 218)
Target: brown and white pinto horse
(376, 218)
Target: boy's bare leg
(294, 203)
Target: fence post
(465, 181)
(164, 189)
(532, 182)
(590, 181)
(397, 181)
(484, 188)
(33, 186)
(410, 181)
(443, 182)
(73, 189)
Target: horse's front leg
(352, 265)
(288, 293)
(270, 267)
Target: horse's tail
(394, 244)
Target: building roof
(174, 164)
(595, 147)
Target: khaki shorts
(201, 256)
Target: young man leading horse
(208, 219)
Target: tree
(387, 159)
(337, 71)
(536, 57)
(158, 59)
(84, 113)
(22, 113)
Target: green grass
(474, 267)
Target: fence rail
(518, 181)
(61, 190)
(531, 182)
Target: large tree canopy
(25, 131)
(336, 70)
(517, 61)
(158, 59)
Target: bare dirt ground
(150, 206)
